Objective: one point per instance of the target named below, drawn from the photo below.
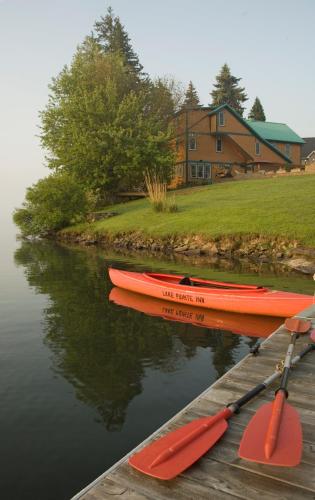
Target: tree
(191, 97)
(227, 90)
(51, 204)
(257, 111)
(114, 39)
(103, 128)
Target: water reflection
(241, 324)
(101, 351)
(104, 350)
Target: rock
(192, 251)
(302, 265)
(308, 252)
(182, 248)
(89, 242)
(264, 259)
(95, 216)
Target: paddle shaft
(236, 405)
(294, 325)
(279, 402)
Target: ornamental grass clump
(172, 205)
(157, 191)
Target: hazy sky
(270, 44)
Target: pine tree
(113, 38)
(257, 111)
(227, 90)
(191, 97)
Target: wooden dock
(221, 474)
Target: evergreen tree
(191, 97)
(113, 38)
(228, 91)
(257, 111)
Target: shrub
(51, 204)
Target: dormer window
(192, 142)
(257, 148)
(221, 119)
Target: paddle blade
(297, 325)
(287, 450)
(167, 457)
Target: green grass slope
(272, 207)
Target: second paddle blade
(162, 461)
(288, 449)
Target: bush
(51, 204)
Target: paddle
(170, 455)
(274, 435)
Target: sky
(269, 44)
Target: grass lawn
(276, 207)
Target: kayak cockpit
(188, 281)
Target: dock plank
(220, 473)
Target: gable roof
(247, 124)
(275, 132)
(308, 147)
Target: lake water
(84, 380)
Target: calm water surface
(84, 380)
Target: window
(200, 170)
(218, 146)
(207, 171)
(257, 148)
(192, 141)
(221, 119)
(287, 150)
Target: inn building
(213, 143)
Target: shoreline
(253, 248)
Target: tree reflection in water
(101, 348)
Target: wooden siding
(238, 142)
(295, 151)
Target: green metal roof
(248, 125)
(275, 131)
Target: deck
(221, 474)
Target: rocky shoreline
(255, 248)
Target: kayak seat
(186, 281)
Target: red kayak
(242, 324)
(246, 299)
